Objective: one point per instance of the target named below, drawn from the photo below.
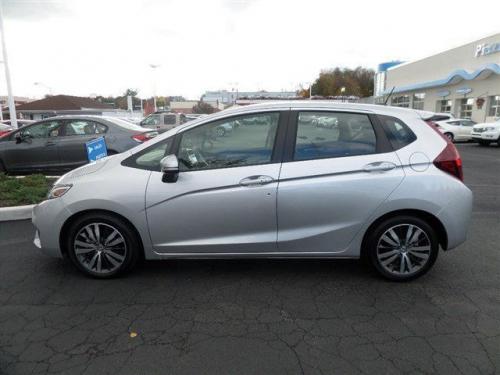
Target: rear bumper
(456, 216)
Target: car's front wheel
(102, 245)
(450, 136)
(402, 248)
(484, 143)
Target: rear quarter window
(398, 133)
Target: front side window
(169, 119)
(151, 120)
(149, 158)
(83, 127)
(467, 123)
(494, 106)
(42, 130)
(332, 135)
(234, 142)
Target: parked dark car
(57, 144)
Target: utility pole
(12, 104)
(153, 70)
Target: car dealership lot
(259, 316)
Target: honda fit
(379, 184)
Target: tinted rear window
(398, 133)
(125, 124)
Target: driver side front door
(224, 200)
(37, 151)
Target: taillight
(143, 137)
(449, 159)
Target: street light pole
(12, 104)
(153, 68)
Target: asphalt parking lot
(259, 316)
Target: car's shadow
(340, 269)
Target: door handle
(256, 180)
(50, 143)
(379, 166)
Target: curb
(16, 213)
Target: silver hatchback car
(379, 184)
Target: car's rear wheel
(402, 248)
(102, 245)
(450, 136)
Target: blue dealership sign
(96, 149)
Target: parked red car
(5, 129)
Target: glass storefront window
(418, 100)
(444, 106)
(494, 106)
(401, 101)
(465, 106)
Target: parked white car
(456, 129)
(487, 133)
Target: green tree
(131, 92)
(202, 107)
(357, 82)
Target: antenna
(389, 96)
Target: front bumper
(486, 136)
(48, 218)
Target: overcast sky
(86, 47)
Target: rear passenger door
(71, 141)
(332, 179)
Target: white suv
(487, 133)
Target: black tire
(2, 168)
(127, 257)
(450, 136)
(374, 243)
(484, 143)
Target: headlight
(58, 191)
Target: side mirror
(19, 137)
(169, 166)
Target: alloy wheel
(404, 249)
(100, 248)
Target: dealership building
(464, 81)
